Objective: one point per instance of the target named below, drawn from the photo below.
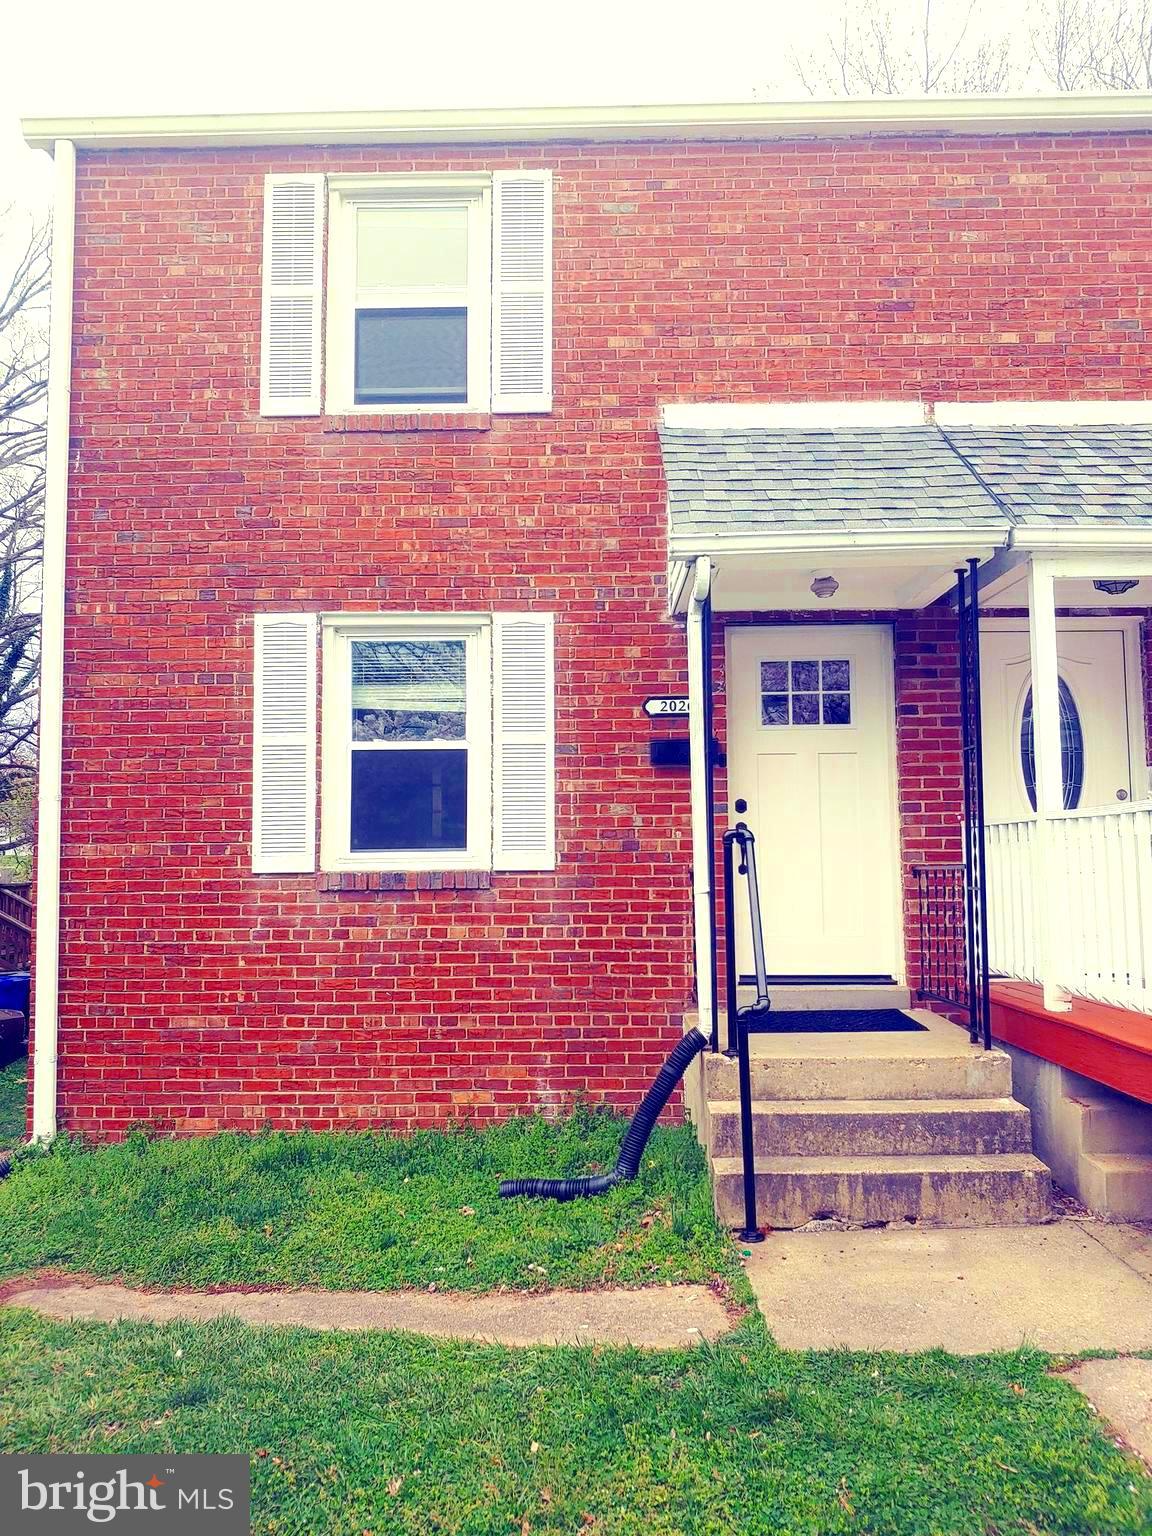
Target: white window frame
(339, 631)
(346, 196)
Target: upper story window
(409, 299)
(404, 293)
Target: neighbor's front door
(811, 732)
(1095, 729)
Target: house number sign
(666, 704)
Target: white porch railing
(1099, 872)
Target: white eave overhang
(1117, 112)
(886, 542)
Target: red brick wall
(196, 995)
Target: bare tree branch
(24, 293)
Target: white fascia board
(1055, 541)
(1043, 413)
(978, 541)
(795, 415)
(843, 118)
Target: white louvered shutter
(524, 777)
(522, 291)
(292, 315)
(284, 744)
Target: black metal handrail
(740, 1019)
(942, 935)
(975, 838)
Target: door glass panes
(1071, 748)
(805, 693)
(412, 247)
(409, 771)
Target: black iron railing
(740, 843)
(975, 854)
(942, 934)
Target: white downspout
(698, 749)
(46, 965)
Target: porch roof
(914, 479)
(748, 481)
(1091, 476)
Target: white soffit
(795, 415)
(1043, 413)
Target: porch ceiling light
(825, 586)
(1115, 588)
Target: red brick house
(398, 460)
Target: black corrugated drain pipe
(635, 1137)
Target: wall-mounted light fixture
(1119, 587)
(825, 586)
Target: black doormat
(833, 1021)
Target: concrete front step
(1119, 1183)
(873, 1128)
(1003, 1189)
(914, 1072)
(807, 996)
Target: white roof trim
(796, 415)
(1114, 112)
(839, 541)
(1044, 413)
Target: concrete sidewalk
(1070, 1286)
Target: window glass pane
(805, 674)
(408, 690)
(834, 674)
(1071, 748)
(805, 709)
(415, 247)
(774, 709)
(411, 356)
(409, 798)
(837, 709)
(773, 676)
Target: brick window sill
(395, 422)
(359, 882)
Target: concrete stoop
(873, 1128)
(1097, 1142)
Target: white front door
(1100, 765)
(811, 733)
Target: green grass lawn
(367, 1212)
(389, 1434)
(394, 1435)
(13, 1095)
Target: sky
(112, 57)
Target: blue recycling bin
(14, 989)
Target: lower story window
(407, 747)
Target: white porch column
(1049, 896)
(699, 749)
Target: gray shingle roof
(1054, 476)
(754, 480)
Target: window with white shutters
(438, 742)
(437, 296)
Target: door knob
(1121, 794)
(741, 807)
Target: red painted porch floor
(1109, 1045)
